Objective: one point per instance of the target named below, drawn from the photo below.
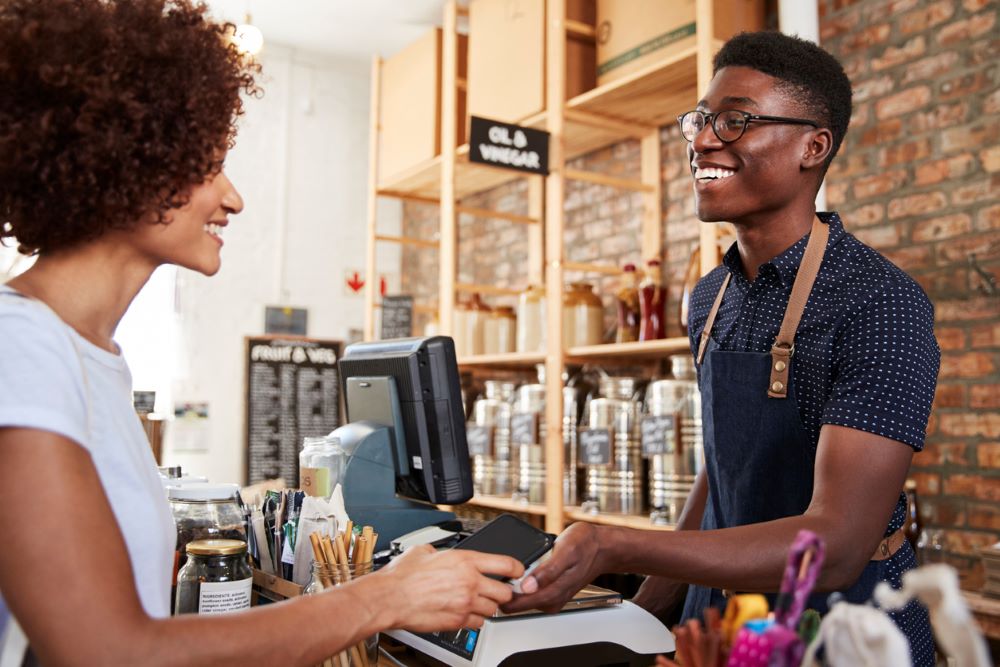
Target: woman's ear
(817, 148)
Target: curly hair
(807, 73)
(112, 110)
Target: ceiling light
(248, 37)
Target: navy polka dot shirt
(865, 352)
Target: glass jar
(205, 512)
(531, 320)
(652, 301)
(583, 316)
(321, 465)
(325, 577)
(627, 299)
(474, 331)
(501, 331)
(216, 578)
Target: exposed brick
(988, 218)
(981, 515)
(981, 190)
(990, 159)
(926, 17)
(903, 102)
(965, 541)
(950, 338)
(984, 246)
(984, 52)
(909, 258)
(984, 396)
(988, 454)
(986, 335)
(961, 310)
(949, 395)
(928, 483)
(883, 132)
(963, 86)
(920, 204)
(979, 424)
(970, 137)
(894, 56)
(992, 102)
(836, 194)
(851, 164)
(907, 152)
(836, 26)
(936, 171)
(968, 365)
(878, 184)
(942, 116)
(858, 40)
(864, 216)
(860, 115)
(973, 6)
(961, 31)
(943, 453)
(930, 67)
(872, 88)
(936, 229)
(879, 237)
(942, 511)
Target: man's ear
(817, 148)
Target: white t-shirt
(53, 379)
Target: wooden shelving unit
(632, 107)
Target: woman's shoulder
(27, 321)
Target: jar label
(659, 435)
(595, 446)
(224, 596)
(315, 481)
(479, 439)
(524, 428)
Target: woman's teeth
(711, 173)
(214, 229)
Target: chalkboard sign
(480, 439)
(293, 391)
(595, 446)
(508, 146)
(524, 428)
(659, 435)
(397, 317)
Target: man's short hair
(811, 76)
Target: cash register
(407, 453)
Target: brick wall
(916, 178)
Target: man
(811, 414)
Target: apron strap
(706, 333)
(784, 344)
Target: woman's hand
(446, 590)
(574, 563)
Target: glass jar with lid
(501, 331)
(205, 511)
(326, 576)
(583, 316)
(321, 465)
(531, 320)
(216, 578)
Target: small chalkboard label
(595, 446)
(524, 428)
(397, 317)
(479, 439)
(659, 435)
(508, 146)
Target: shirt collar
(787, 263)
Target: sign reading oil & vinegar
(508, 146)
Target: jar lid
(216, 547)
(203, 491)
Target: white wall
(301, 164)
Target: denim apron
(759, 460)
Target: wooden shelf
(654, 349)
(511, 360)
(623, 520)
(507, 505)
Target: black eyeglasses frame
(709, 119)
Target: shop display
(528, 441)
(672, 440)
(615, 480)
(492, 474)
(531, 320)
(215, 579)
(500, 331)
(583, 316)
(627, 300)
(205, 511)
(321, 465)
(652, 302)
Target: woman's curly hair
(110, 111)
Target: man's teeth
(711, 173)
(214, 229)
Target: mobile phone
(508, 535)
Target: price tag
(659, 435)
(595, 447)
(480, 439)
(524, 428)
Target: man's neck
(762, 239)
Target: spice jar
(328, 575)
(321, 465)
(531, 320)
(627, 299)
(501, 331)
(216, 578)
(583, 316)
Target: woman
(115, 118)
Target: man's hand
(574, 563)
(661, 597)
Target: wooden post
(536, 233)
(705, 31)
(652, 235)
(373, 140)
(555, 96)
(448, 258)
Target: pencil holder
(326, 576)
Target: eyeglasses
(728, 125)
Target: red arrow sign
(355, 283)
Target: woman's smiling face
(762, 171)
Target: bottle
(475, 326)
(627, 299)
(501, 330)
(216, 578)
(652, 299)
(531, 320)
(913, 526)
(583, 316)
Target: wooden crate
(632, 34)
(507, 57)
